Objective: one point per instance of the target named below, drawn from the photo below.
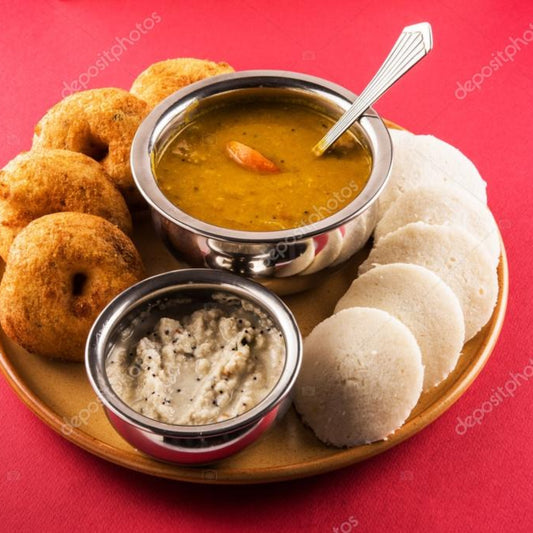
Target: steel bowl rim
(144, 141)
(202, 278)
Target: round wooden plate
(60, 395)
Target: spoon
(414, 43)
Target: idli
(447, 205)
(426, 160)
(454, 255)
(424, 303)
(361, 376)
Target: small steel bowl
(154, 298)
(286, 261)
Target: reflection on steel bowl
(286, 260)
(198, 433)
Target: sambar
(200, 172)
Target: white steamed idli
(424, 303)
(446, 205)
(426, 160)
(454, 255)
(361, 376)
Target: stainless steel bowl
(177, 443)
(286, 261)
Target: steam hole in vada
(96, 149)
(101, 124)
(79, 282)
(84, 262)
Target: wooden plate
(60, 395)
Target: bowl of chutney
(227, 168)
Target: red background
(438, 480)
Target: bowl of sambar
(227, 168)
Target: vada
(100, 123)
(166, 77)
(38, 183)
(61, 271)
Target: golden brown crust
(38, 183)
(166, 77)
(62, 270)
(100, 123)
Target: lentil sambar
(249, 166)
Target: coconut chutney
(205, 367)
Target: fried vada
(62, 269)
(38, 183)
(100, 123)
(166, 77)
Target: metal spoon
(414, 43)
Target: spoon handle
(414, 43)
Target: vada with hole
(41, 182)
(62, 270)
(101, 124)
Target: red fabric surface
(438, 480)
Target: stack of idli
(454, 255)
(361, 377)
(425, 160)
(446, 206)
(428, 285)
(424, 303)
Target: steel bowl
(286, 261)
(173, 294)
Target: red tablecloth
(474, 91)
